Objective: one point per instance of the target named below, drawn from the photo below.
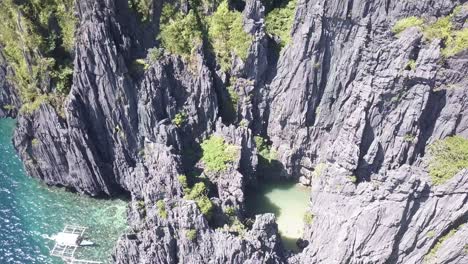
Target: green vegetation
(318, 170)
(409, 138)
(191, 234)
(154, 54)
(183, 181)
(34, 142)
(308, 218)
(280, 20)
(141, 204)
(143, 7)
(180, 119)
(353, 178)
(161, 209)
(430, 234)
(264, 149)
(217, 154)
(457, 43)
(181, 34)
(411, 65)
(228, 36)
(234, 97)
(38, 37)
(448, 157)
(230, 211)
(8, 107)
(199, 194)
(441, 29)
(454, 41)
(405, 23)
(437, 246)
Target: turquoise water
(288, 201)
(30, 211)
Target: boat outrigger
(68, 241)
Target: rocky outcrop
(9, 99)
(343, 110)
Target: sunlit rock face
(341, 109)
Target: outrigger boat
(67, 242)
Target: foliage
(448, 157)
(230, 210)
(454, 41)
(439, 243)
(405, 23)
(179, 119)
(318, 170)
(217, 154)
(227, 35)
(233, 96)
(199, 194)
(181, 34)
(353, 178)
(430, 234)
(409, 138)
(441, 29)
(38, 37)
(167, 13)
(8, 107)
(191, 234)
(34, 142)
(143, 8)
(280, 20)
(140, 204)
(154, 54)
(237, 227)
(411, 65)
(183, 181)
(457, 43)
(161, 209)
(308, 218)
(264, 149)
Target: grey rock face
(342, 108)
(9, 99)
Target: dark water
(288, 201)
(30, 211)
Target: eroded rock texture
(342, 109)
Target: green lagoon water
(288, 201)
(30, 211)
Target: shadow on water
(287, 200)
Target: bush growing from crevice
(191, 234)
(411, 65)
(280, 21)
(433, 252)
(143, 7)
(161, 209)
(308, 218)
(181, 34)
(199, 194)
(267, 162)
(217, 154)
(454, 41)
(227, 35)
(180, 119)
(448, 157)
(407, 22)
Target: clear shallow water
(288, 201)
(30, 211)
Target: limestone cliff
(348, 106)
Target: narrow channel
(31, 211)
